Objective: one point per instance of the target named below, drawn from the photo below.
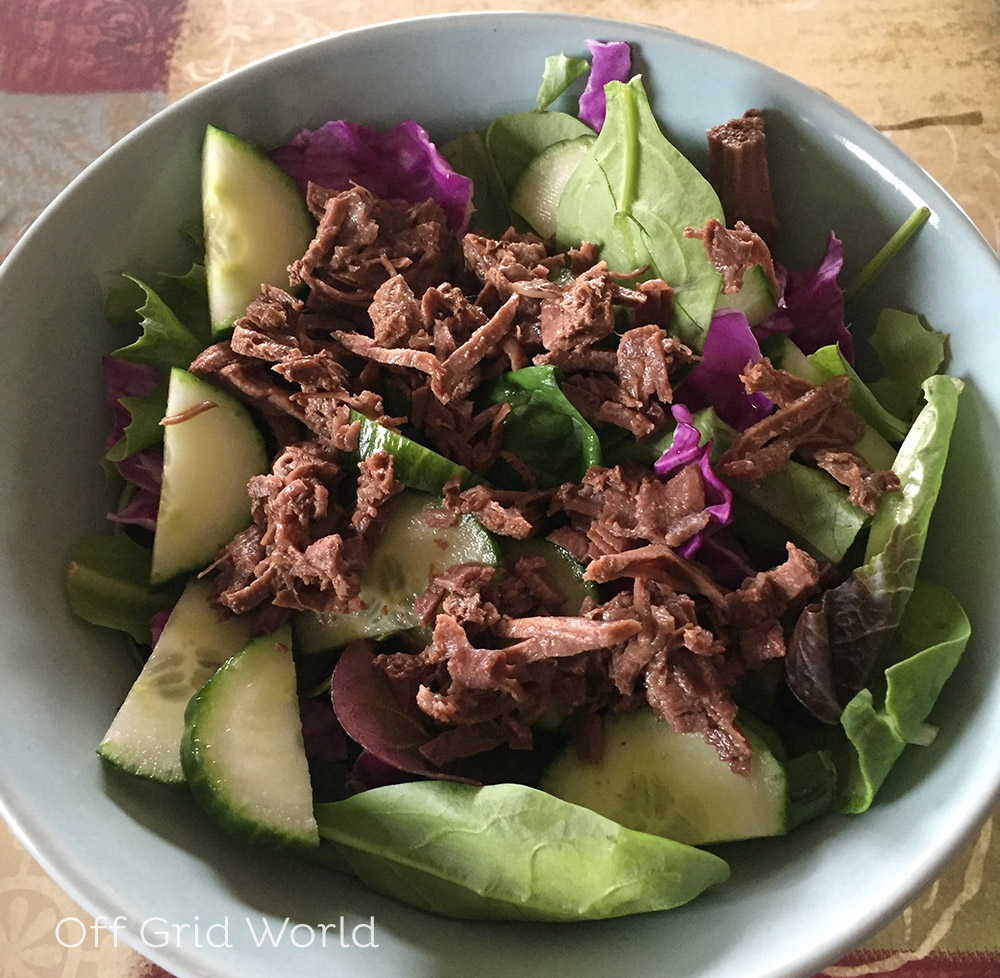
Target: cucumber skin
(635, 742)
(236, 816)
(414, 465)
(536, 195)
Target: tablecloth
(76, 75)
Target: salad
(502, 523)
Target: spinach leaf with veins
(507, 852)
(633, 195)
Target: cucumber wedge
(256, 224)
(243, 753)
(537, 192)
(675, 785)
(755, 299)
(211, 448)
(408, 553)
(145, 736)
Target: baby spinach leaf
(509, 852)
(632, 196)
(514, 140)
(560, 72)
(543, 429)
(921, 656)
(467, 154)
(835, 642)
(909, 353)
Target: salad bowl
(140, 856)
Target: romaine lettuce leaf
(879, 722)
(909, 353)
(836, 641)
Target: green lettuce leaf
(165, 341)
(633, 196)
(107, 584)
(543, 429)
(909, 353)
(560, 72)
(921, 656)
(508, 852)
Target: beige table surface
(925, 71)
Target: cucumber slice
(145, 736)
(674, 784)
(562, 568)
(536, 194)
(256, 224)
(408, 553)
(755, 299)
(211, 448)
(243, 753)
(415, 466)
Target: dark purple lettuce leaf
(611, 61)
(400, 164)
(684, 451)
(811, 309)
(366, 706)
(715, 380)
(144, 472)
(123, 378)
(322, 735)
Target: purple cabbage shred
(400, 164)
(811, 309)
(684, 450)
(611, 61)
(715, 380)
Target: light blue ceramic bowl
(141, 852)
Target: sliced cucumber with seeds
(256, 224)
(414, 465)
(243, 753)
(536, 195)
(408, 554)
(145, 736)
(655, 780)
(211, 449)
(561, 568)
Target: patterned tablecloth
(76, 75)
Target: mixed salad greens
(246, 719)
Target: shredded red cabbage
(715, 380)
(811, 309)
(401, 164)
(611, 61)
(684, 450)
